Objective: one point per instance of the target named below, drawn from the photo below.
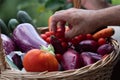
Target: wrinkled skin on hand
(79, 21)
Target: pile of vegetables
(52, 51)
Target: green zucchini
(24, 17)
(4, 28)
(12, 24)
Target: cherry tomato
(64, 44)
(58, 57)
(78, 38)
(59, 33)
(74, 41)
(89, 36)
(101, 41)
(52, 33)
(82, 36)
(48, 33)
(48, 39)
(43, 36)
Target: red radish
(90, 57)
(71, 60)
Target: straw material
(101, 70)
(77, 3)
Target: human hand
(80, 21)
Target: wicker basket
(101, 70)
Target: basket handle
(77, 3)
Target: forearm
(108, 16)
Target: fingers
(62, 25)
(70, 26)
(58, 17)
(71, 33)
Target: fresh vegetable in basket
(104, 33)
(57, 45)
(8, 44)
(24, 17)
(4, 28)
(71, 60)
(12, 24)
(27, 38)
(38, 60)
(88, 45)
(57, 39)
(105, 49)
(9, 47)
(90, 58)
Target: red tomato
(48, 39)
(89, 36)
(58, 57)
(101, 41)
(78, 39)
(43, 36)
(52, 33)
(48, 33)
(59, 33)
(37, 60)
(74, 41)
(82, 37)
(64, 45)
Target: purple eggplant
(71, 60)
(8, 44)
(27, 38)
(105, 49)
(90, 57)
(57, 45)
(88, 45)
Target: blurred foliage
(39, 10)
(116, 2)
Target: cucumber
(24, 17)
(4, 28)
(12, 24)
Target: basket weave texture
(101, 70)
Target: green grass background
(116, 2)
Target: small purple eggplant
(8, 44)
(105, 49)
(88, 45)
(57, 45)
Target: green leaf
(49, 49)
